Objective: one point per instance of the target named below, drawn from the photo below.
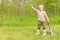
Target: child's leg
(39, 26)
(44, 28)
(43, 24)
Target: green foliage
(9, 13)
(51, 6)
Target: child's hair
(41, 5)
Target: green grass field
(26, 20)
(23, 27)
(27, 33)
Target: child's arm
(47, 17)
(34, 8)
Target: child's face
(41, 7)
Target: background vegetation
(19, 22)
(18, 12)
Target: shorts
(41, 23)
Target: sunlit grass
(27, 33)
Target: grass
(18, 21)
(26, 33)
(25, 20)
(24, 28)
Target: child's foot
(44, 32)
(38, 32)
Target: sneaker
(38, 32)
(44, 32)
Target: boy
(41, 18)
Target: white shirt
(41, 15)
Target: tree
(18, 3)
